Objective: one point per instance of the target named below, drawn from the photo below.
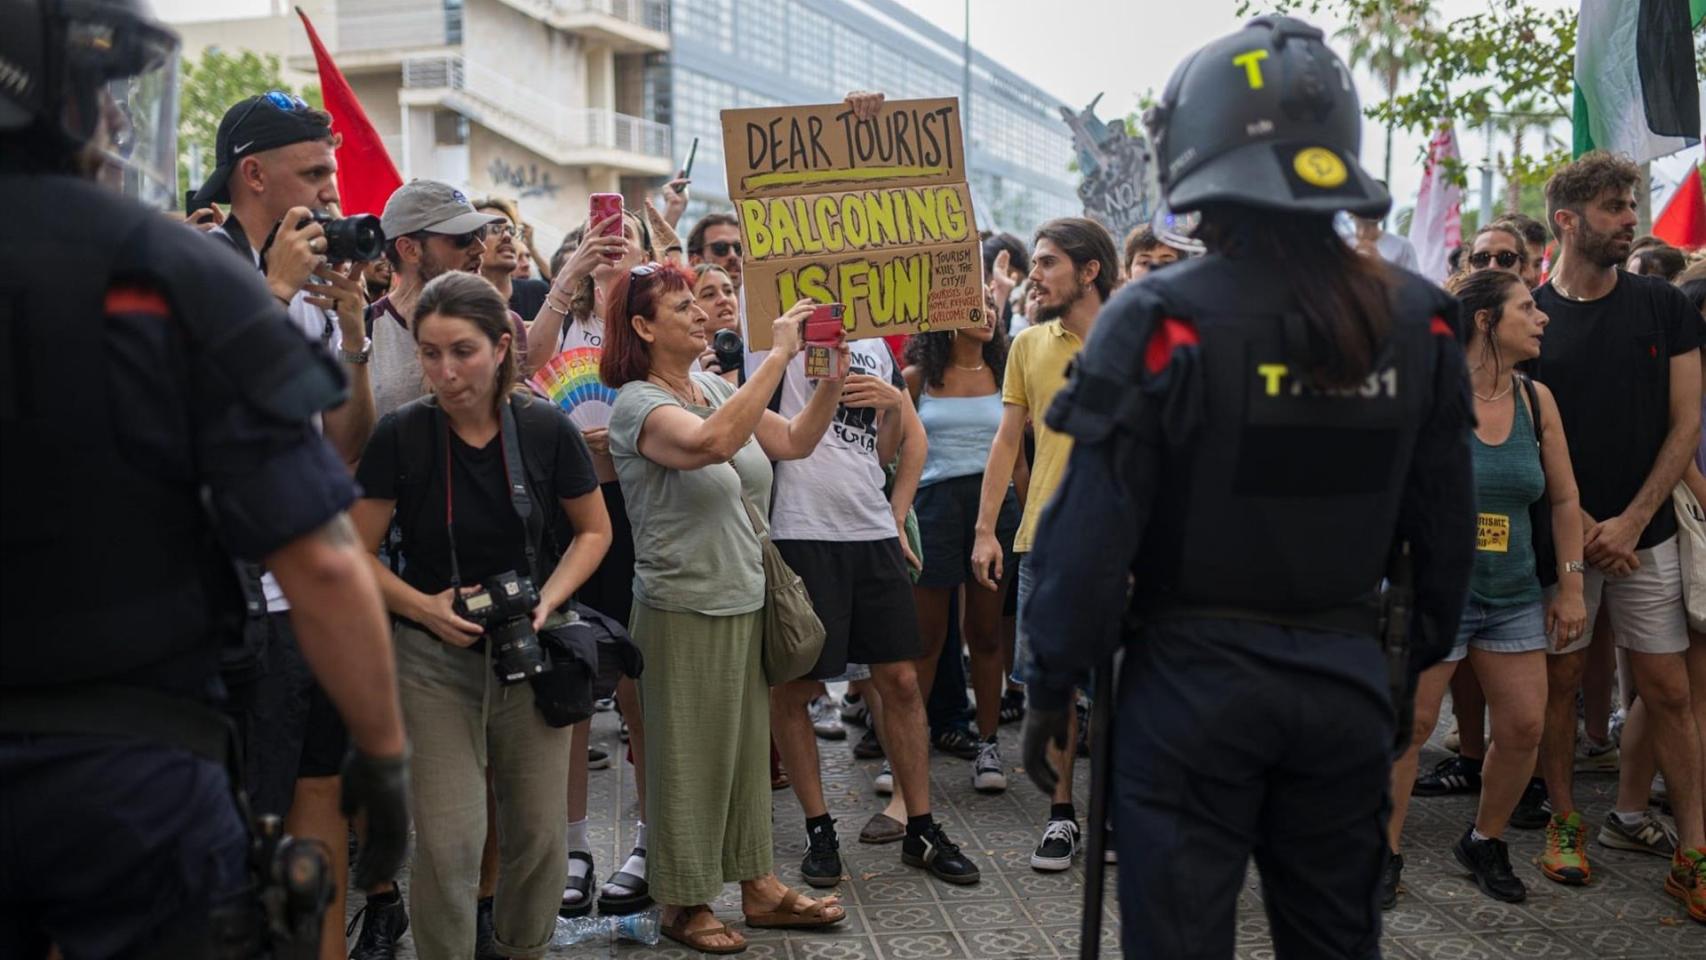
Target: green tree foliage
(210, 86)
(1510, 64)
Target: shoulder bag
(793, 635)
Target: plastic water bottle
(638, 927)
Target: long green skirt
(707, 711)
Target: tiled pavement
(897, 913)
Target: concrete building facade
(549, 101)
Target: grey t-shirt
(694, 548)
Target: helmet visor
(140, 146)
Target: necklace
(1500, 394)
(961, 366)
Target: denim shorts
(1515, 629)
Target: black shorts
(947, 522)
(863, 594)
(610, 589)
(291, 731)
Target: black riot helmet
(92, 75)
(1266, 117)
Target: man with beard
(1621, 356)
(715, 239)
(430, 229)
(1074, 267)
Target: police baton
(1101, 783)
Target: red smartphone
(822, 334)
(605, 206)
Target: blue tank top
(1508, 479)
(961, 430)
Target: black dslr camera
(504, 607)
(356, 239)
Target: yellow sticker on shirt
(1493, 533)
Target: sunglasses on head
(721, 248)
(1506, 259)
(635, 275)
(285, 102)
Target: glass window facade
(754, 53)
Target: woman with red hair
(683, 444)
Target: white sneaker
(826, 721)
(986, 773)
(1591, 755)
(1058, 846)
(885, 780)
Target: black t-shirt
(527, 295)
(1607, 362)
(489, 536)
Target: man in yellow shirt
(1074, 268)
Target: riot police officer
(1258, 432)
(154, 413)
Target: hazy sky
(1075, 49)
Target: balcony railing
(564, 129)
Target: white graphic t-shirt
(836, 493)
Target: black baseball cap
(266, 122)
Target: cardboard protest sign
(1119, 189)
(873, 214)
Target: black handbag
(1540, 511)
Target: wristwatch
(357, 358)
(1575, 566)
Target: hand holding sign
(864, 104)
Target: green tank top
(1508, 479)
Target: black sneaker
(1012, 707)
(822, 865)
(1534, 810)
(383, 923)
(933, 851)
(957, 741)
(1058, 846)
(1390, 873)
(868, 748)
(485, 935)
(1450, 776)
(1490, 861)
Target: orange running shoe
(1687, 881)
(1566, 858)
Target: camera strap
(509, 445)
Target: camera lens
(358, 238)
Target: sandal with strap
(696, 939)
(581, 884)
(638, 897)
(790, 914)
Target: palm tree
(1379, 40)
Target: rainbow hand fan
(570, 380)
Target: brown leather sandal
(696, 939)
(790, 915)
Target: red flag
(1683, 222)
(366, 175)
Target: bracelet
(560, 311)
(1575, 566)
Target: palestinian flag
(1637, 92)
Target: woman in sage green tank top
(1508, 624)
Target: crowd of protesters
(906, 497)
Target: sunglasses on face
(721, 248)
(1506, 259)
(460, 241)
(500, 230)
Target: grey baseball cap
(433, 207)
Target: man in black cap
(275, 169)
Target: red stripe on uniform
(1439, 328)
(1171, 335)
(136, 300)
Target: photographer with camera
(276, 169)
(469, 606)
(122, 833)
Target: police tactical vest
(1275, 496)
(113, 572)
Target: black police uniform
(1252, 518)
(156, 409)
